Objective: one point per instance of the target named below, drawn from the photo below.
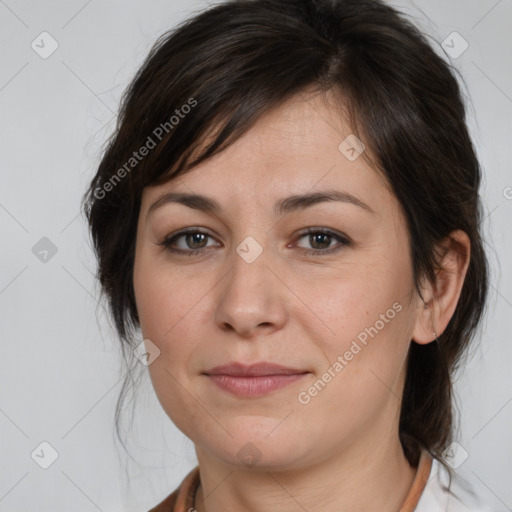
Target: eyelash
(343, 241)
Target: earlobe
(443, 295)
(425, 329)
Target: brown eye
(321, 241)
(187, 242)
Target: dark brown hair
(236, 61)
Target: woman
(288, 215)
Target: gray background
(60, 367)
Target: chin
(252, 447)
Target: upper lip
(256, 369)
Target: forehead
(304, 145)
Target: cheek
(164, 307)
(160, 297)
(170, 304)
(354, 302)
(364, 316)
(359, 375)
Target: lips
(255, 380)
(256, 369)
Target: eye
(193, 241)
(321, 240)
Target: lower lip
(254, 386)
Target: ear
(441, 297)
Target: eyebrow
(281, 207)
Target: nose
(253, 300)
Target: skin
(290, 308)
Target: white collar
(459, 497)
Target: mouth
(254, 380)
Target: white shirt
(459, 498)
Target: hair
(236, 61)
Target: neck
(365, 476)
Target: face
(322, 288)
